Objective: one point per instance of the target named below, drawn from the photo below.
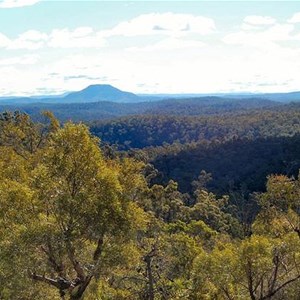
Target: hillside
(108, 109)
(239, 165)
(71, 214)
(239, 149)
(157, 129)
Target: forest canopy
(82, 221)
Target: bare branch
(99, 249)
(269, 295)
(60, 283)
(76, 264)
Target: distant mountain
(16, 100)
(92, 93)
(283, 97)
(108, 93)
(278, 97)
(100, 92)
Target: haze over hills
(106, 92)
(90, 111)
(92, 93)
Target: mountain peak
(101, 92)
(100, 86)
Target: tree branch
(99, 249)
(250, 281)
(275, 274)
(58, 267)
(76, 264)
(269, 295)
(60, 283)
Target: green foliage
(67, 208)
(239, 149)
(77, 223)
(280, 207)
(142, 131)
(255, 268)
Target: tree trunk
(150, 278)
(77, 292)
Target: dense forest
(90, 111)
(81, 219)
(239, 149)
(141, 131)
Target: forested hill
(238, 165)
(210, 133)
(239, 149)
(155, 130)
(107, 110)
(77, 223)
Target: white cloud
(265, 61)
(81, 37)
(259, 20)
(33, 35)
(170, 44)
(167, 24)
(4, 40)
(256, 23)
(17, 3)
(295, 18)
(202, 70)
(163, 23)
(21, 60)
(166, 53)
(246, 26)
(263, 38)
(31, 40)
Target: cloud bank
(157, 52)
(17, 3)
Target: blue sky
(49, 47)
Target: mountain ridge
(92, 93)
(100, 92)
(106, 92)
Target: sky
(51, 47)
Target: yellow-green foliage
(75, 224)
